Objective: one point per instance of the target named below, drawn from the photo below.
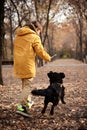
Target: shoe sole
(23, 114)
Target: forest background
(64, 27)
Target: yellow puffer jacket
(27, 45)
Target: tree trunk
(80, 39)
(11, 37)
(40, 61)
(1, 36)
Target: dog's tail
(39, 92)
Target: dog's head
(56, 77)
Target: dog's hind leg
(44, 109)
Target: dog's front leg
(62, 95)
(52, 110)
(62, 100)
(44, 109)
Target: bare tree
(1, 36)
(16, 12)
(80, 7)
(39, 10)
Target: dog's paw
(63, 102)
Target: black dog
(54, 92)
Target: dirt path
(72, 116)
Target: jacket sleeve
(39, 50)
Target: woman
(27, 45)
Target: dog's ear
(50, 74)
(62, 75)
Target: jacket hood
(24, 30)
